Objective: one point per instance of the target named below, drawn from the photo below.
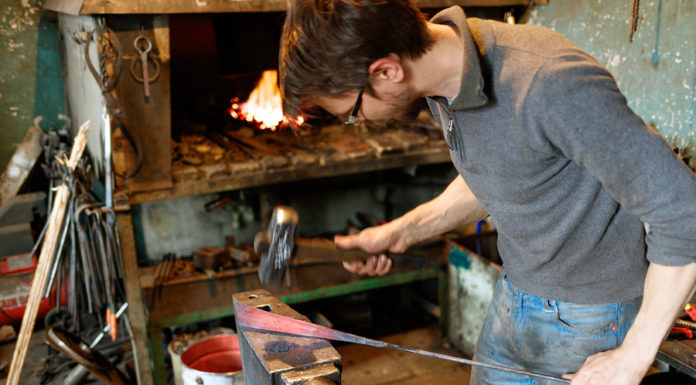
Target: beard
(402, 106)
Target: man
(545, 144)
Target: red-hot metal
(257, 319)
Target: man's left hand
(613, 367)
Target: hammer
(278, 244)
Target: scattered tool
(256, 319)
(72, 346)
(276, 246)
(690, 311)
(209, 259)
(41, 274)
(162, 273)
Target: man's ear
(387, 69)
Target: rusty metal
(272, 359)
(318, 375)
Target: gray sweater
(568, 173)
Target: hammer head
(275, 245)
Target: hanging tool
(109, 49)
(51, 239)
(276, 245)
(256, 319)
(143, 46)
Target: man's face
(386, 105)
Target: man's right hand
(373, 266)
(375, 240)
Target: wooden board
(150, 118)
(21, 163)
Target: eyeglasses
(352, 118)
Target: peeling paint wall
(30, 78)
(656, 72)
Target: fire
(263, 107)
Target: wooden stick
(55, 220)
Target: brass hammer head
(275, 245)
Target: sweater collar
(471, 94)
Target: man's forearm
(456, 206)
(667, 289)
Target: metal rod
(56, 258)
(108, 327)
(257, 319)
(108, 177)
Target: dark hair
(328, 45)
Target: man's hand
(667, 288)
(374, 266)
(456, 206)
(613, 367)
(373, 240)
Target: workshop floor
(374, 366)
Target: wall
(656, 72)
(30, 76)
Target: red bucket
(214, 360)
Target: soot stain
(291, 353)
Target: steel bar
(257, 319)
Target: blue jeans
(545, 336)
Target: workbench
(679, 355)
(189, 300)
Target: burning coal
(263, 108)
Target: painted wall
(656, 72)
(30, 77)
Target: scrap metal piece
(272, 359)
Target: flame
(263, 106)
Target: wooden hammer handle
(323, 249)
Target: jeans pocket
(594, 320)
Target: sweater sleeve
(574, 109)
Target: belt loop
(549, 305)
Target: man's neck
(439, 71)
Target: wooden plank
(301, 172)
(136, 309)
(21, 163)
(208, 6)
(150, 118)
(70, 7)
